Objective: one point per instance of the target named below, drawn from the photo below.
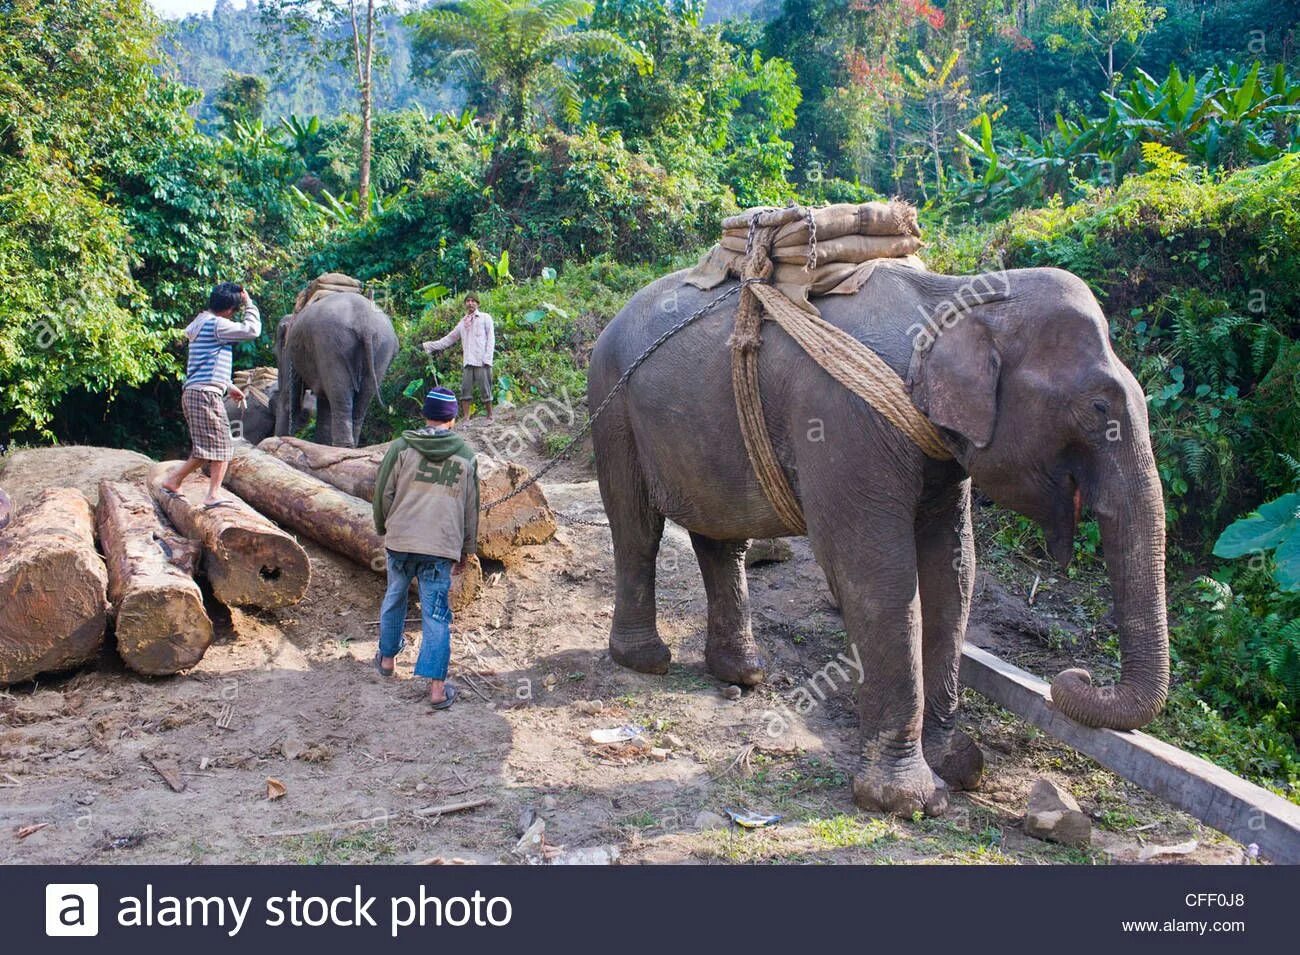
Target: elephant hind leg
(730, 651)
(637, 527)
(324, 420)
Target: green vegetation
(555, 155)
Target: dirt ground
(289, 696)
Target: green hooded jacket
(426, 495)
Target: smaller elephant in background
(254, 418)
(339, 347)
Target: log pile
(340, 521)
(161, 625)
(57, 594)
(248, 560)
(53, 588)
(524, 519)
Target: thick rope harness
(839, 354)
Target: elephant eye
(1100, 406)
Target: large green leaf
(1269, 527)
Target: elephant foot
(643, 654)
(962, 764)
(736, 662)
(902, 788)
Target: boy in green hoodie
(426, 506)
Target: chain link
(618, 386)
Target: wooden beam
(1228, 803)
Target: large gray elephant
(1016, 371)
(340, 347)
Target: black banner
(636, 909)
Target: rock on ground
(1053, 814)
(770, 550)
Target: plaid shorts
(205, 413)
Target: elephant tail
(289, 396)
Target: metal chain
(618, 386)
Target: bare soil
(288, 699)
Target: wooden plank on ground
(1228, 803)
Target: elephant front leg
(946, 570)
(876, 576)
(730, 651)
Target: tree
(241, 98)
(1100, 26)
(518, 49)
(346, 29)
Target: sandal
(445, 704)
(379, 664)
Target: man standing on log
(478, 342)
(426, 506)
(212, 335)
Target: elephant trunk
(1130, 509)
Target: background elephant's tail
(289, 404)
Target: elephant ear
(957, 383)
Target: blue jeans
(434, 576)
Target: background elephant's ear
(957, 384)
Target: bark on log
(248, 560)
(53, 588)
(340, 521)
(526, 518)
(161, 624)
(351, 470)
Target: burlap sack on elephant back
(834, 257)
(257, 384)
(323, 285)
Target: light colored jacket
(426, 495)
(211, 357)
(477, 337)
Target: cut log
(526, 518)
(161, 624)
(53, 587)
(248, 560)
(342, 522)
(351, 470)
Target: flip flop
(451, 697)
(379, 664)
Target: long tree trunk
(53, 588)
(365, 58)
(1131, 512)
(161, 625)
(318, 510)
(248, 560)
(526, 518)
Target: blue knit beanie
(440, 405)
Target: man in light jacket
(426, 506)
(478, 343)
(212, 336)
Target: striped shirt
(211, 356)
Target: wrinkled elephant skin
(1014, 369)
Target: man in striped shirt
(212, 335)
